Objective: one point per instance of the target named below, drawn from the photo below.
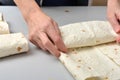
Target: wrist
(113, 1)
(32, 14)
(28, 10)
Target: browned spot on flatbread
(106, 78)
(83, 30)
(97, 41)
(75, 52)
(63, 63)
(19, 48)
(112, 59)
(73, 49)
(112, 69)
(74, 75)
(78, 66)
(67, 56)
(115, 49)
(22, 37)
(79, 60)
(89, 68)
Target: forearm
(112, 1)
(27, 7)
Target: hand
(44, 33)
(113, 13)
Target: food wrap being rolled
(98, 61)
(12, 44)
(87, 33)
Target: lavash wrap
(92, 51)
(13, 44)
(1, 17)
(4, 27)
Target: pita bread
(97, 62)
(12, 44)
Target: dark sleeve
(7, 2)
(38, 2)
(82, 2)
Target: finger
(59, 33)
(56, 28)
(35, 43)
(114, 22)
(38, 41)
(56, 38)
(31, 38)
(118, 17)
(48, 44)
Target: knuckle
(47, 24)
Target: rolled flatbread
(4, 28)
(96, 62)
(12, 44)
(1, 17)
(87, 33)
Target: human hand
(113, 13)
(44, 33)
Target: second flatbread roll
(12, 44)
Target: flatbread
(87, 33)
(99, 61)
(111, 50)
(1, 17)
(13, 44)
(89, 62)
(4, 28)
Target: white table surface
(37, 64)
